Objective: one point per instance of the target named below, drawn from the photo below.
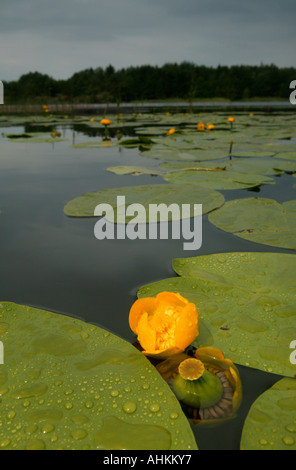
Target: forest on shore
(172, 81)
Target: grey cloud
(61, 37)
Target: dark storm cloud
(60, 37)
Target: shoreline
(150, 106)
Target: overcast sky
(61, 37)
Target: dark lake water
(54, 262)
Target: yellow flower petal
(146, 304)
(106, 122)
(171, 131)
(187, 326)
(146, 334)
(165, 324)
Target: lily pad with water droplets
(247, 305)
(260, 220)
(271, 422)
(66, 384)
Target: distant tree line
(186, 81)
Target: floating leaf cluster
(73, 385)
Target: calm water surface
(51, 261)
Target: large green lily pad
(247, 305)
(35, 138)
(132, 143)
(253, 153)
(271, 422)
(151, 131)
(96, 144)
(225, 179)
(287, 155)
(134, 170)
(179, 144)
(168, 194)
(67, 384)
(170, 154)
(260, 220)
(258, 166)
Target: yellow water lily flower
(171, 131)
(231, 119)
(105, 122)
(200, 126)
(210, 127)
(165, 325)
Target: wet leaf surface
(167, 194)
(67, 384)
(246, 303)
(271, 422)
(259, 220)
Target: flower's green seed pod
(203, 392)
